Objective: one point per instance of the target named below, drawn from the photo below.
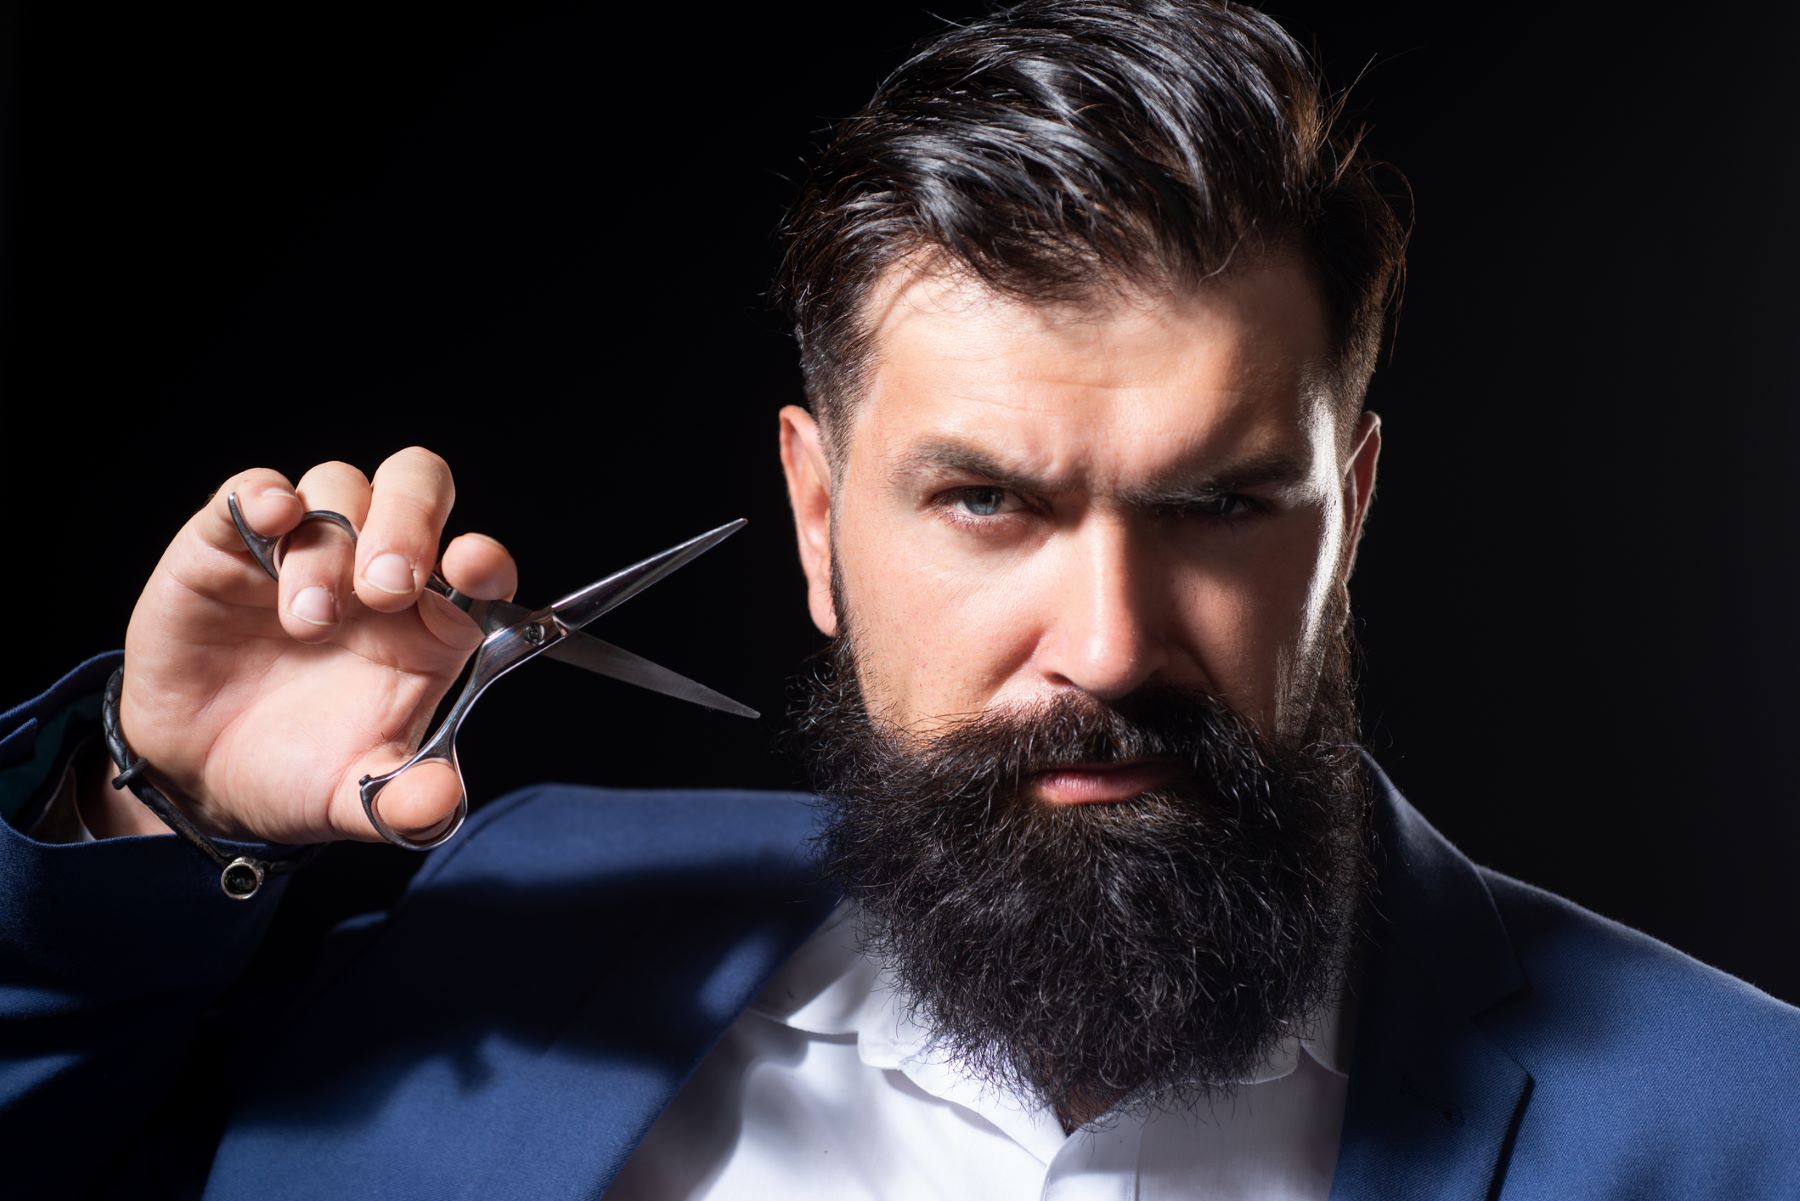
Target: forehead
(1124, 384)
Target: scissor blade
(584, 604)
(585, 650)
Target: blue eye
(983, 502)
(980, 505)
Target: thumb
(418, 804)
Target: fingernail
(277, 490)
(390, 573)
(315, 605)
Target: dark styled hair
(1059, 148)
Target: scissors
(515, 634)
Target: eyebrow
(1260, 469)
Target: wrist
(241, 875)
(106, 811)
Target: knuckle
(426, 457)
(425, 469)
(335, 469)
(246, 484)
(253, 477)
(403, 523)
(413, 495)
(481, 561)
(415, 462)
(506, 561)
(475, 536)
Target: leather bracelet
(240, 876)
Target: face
(1037, 502)
(1086, 722)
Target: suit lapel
(1432, 1102)
(575, 1118)
(513, 1026)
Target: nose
(1108, 612)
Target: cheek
(938, 629)
(1246, 608)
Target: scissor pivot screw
(534, 633)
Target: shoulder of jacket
(1633, 1013)
(1568, 946)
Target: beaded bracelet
(240, 876)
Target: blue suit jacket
(550, 978)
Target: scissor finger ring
(269, 551)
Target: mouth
(1098, 783)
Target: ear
(1359, 480)
(809, 492)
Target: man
(1107, 898)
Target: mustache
(997, 751)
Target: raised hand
(259, 704)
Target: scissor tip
(724, 704)
(713, 537)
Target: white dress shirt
(823, 1089)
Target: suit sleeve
(111, 952)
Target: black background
(535, 239)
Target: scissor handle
(503, 650)
(269, 551)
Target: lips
(1095, 783)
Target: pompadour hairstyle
(1061, 148)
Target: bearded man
(1099, 894)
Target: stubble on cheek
(934, 653)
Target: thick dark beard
(1139, 954)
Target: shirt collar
(830, 987)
